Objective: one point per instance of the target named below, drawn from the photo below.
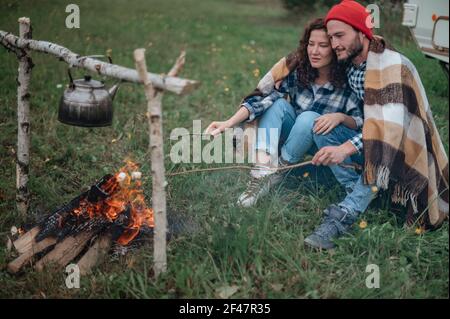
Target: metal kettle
(87, 102)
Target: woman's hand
(215, 128)
(324, 124)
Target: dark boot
(336, 222)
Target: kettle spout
(113, 90)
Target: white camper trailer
(428, 23)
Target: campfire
(112, 212)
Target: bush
(298, 5)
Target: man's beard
(352, 52)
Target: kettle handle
(70, 77)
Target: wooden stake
(154, 97)
(23, 128)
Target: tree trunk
(23, 128)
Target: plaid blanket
(401, 142)
(402, 147)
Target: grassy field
(259, 251)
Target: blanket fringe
(380, 175)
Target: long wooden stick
(169, 83)
(275, 169)
(23, 127)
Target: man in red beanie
(349, 29)
(402, 147)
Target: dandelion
(226, 89)
(256, 72)
(419, 230)
(362, 224)
(252, 61)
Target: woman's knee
(280, 107)
(308, 117)
(305, 121)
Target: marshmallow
(121, 177)
(136, 175)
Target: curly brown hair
(306, 74)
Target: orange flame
(124, 191)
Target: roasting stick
(276, 169)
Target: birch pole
(154, 98)
(23, 118)
(174, 84)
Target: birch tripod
(154, 84)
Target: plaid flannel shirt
(327, 99)
(356, 76)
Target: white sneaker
(258, 187)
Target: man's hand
(324, 124)
(333, 155)
(215, 128)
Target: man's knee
(335, 137)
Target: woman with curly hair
(313, 98)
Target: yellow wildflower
(362, 224)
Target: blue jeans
(280, 122)
(359, 195)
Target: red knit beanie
(353, 13)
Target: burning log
(25, 242)
(65, 251)
(95, 254)
(35, 248)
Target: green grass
(260, 250)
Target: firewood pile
(111, 216)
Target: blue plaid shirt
(356, 76)
(327, 99)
